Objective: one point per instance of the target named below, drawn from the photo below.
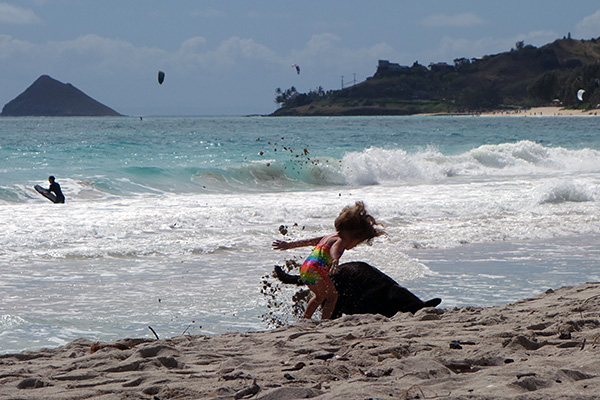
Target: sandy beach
(542, 112)
(553, 111)
(545, 347)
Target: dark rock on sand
(363, 289)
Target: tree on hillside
(545, 88)
(520, 45)
(461, 64)
(282, 97)
(482, 97)
(292, 98)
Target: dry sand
(542, 112)
(545, 347)
(530, 112)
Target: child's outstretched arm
(283, 245)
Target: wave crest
(371, 166)
(375, 165)
(566, 191)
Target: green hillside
(525, 76)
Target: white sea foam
(557, 192)
(10, 322)
(376, 165)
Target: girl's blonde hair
(355, 219)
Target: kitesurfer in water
(55, 187)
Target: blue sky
(228, 57)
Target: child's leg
(330, 300)
(319, 290)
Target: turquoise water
(125, 156)
(168, 221)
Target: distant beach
(526, 112)
(542, 112)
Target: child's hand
(280, 245)
(333, 267)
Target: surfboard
(45, 193)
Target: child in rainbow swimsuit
(353, 226)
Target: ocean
(168, 221)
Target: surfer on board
(55, 187)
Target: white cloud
(589, 27)
(193, 45)
(94, 52)
(458, 20)
(318, 49)
(104, 55)
(321, 43)
(233, 50)
(329, 48)
(326, 52)
(10, 47)
(92, 47)
(14, 15)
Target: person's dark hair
(51, 178)
(355, 219)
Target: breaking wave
(375, 165)
(372, 166)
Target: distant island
(49, 97)
(564, 73)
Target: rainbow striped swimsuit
(316, 266)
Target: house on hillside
(384, 67)
(441, 67)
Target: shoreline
(545, 346)
(542, 112)
(545, 111)
(529, 112)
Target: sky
(226, 57)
